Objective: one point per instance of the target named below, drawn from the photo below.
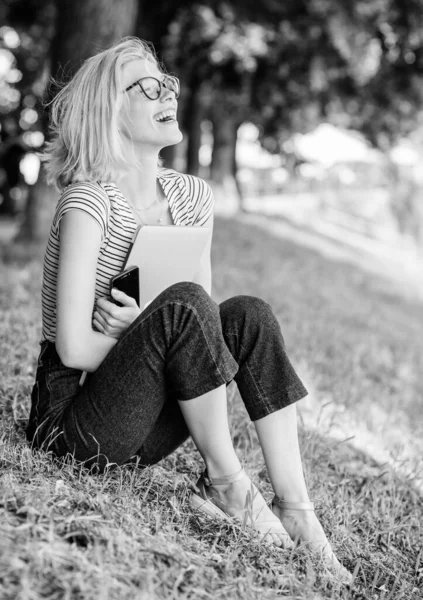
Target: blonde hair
(86, 143)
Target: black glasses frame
(173, 87)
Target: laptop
(166, 254)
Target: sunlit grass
(130, 533)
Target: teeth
(166, 114)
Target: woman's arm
(77, 344)
(204, 274)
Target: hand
(113, 320)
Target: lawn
(129, 534)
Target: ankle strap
(222, 480)
(293, 505)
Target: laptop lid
(166, 254)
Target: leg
(266, 378)
(174, 350)
(278, 438)
(269, 386)
(207, 421)
(279, 441)
(246, 339)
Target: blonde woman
(158, 374)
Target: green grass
(129, 533)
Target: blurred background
(310, 110)
(306, 117)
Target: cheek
(134, 119)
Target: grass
(129, 533)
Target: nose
(167, 94)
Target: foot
(241, 500)
(303, 526)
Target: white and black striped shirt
(190, 202)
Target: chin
(175, 138)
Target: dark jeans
(180, 347)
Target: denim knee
(186, 292)
(255, 309)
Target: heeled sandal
(292, 505)
(246, 517)
(330, 561)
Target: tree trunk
(405, 203)
(83, 28)
(223, 165)
(86, 27)
(39, 212)
(194, 112)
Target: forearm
(85, 352)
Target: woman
(158, 374)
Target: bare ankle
(219, 469)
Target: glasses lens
(172, 84)
(151, 87)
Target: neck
(139, 184)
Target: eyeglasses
(152, 87)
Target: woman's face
(142, 120)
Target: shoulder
(194, 189)
(85, 194)
(88, 196)
(84, 190)
(194, 186)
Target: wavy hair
(86, 143)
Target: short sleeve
(203, 201)
(88, 197)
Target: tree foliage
(285, 66)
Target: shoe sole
(208, 508)
(211, 510)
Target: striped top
(190, 202)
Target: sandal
(326, 552)
(210, 504)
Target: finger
(120, 296)
(108, 323)
(109, 331)
(111, 323)
(98, 325)
(102, 302)
(111, 311)
(103, 326)
(98, 316)
(107, 306)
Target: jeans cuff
(292, 394)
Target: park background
(306, 118)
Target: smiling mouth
(166, 116)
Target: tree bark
(223, 165)
(405, 203)
(194, 113)
(83, 28)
